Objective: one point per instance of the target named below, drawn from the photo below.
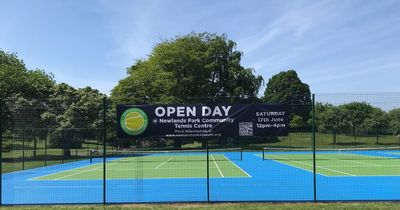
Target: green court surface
(148, 167)
(344, 164)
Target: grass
(158, 166)
(15, 158)
(323, 140)
(230, 206)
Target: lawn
(17, 156)
(232, 206)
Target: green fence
(64, 150)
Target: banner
(136, 121)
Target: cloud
(356, 70)
(295, 22)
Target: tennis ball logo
(134, 121)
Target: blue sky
(335, 46)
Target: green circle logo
(134, 121)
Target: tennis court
(172, 164)
(340, 162)
(176, 176)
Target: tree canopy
(16, 79)
(73, 115)
(286, 87)
(394, 121)
(357, 118)
(197, 68)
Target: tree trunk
(34, 146)
(334, 136)
(67, 153)
(177, 143)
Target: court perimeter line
(237, 166)
(58, 172)
(298, 167)
(164, 163)
(80, 172)
(217, 166)
(78, 168)
(329, 169)
(353, 161)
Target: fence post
(1, 151)
(45, 149)
(23, 153)
(313, 144)
(104, 149)
(208, 172)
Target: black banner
(202, 120)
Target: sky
(335, 46)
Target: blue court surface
(280, 177)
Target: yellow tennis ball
(134, 121)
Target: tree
(40, 84)
(332, 119)
(16, 79)
(73, 116)
(357, 114)
(12, 74)
(60, 118)
(196, 68)
(377, 122)
(286, 87)
(90, 108)
(25, 92)
(394, 121)
(27, 121)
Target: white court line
(163, 163)
(80, 172)
(366, 166)
(238, 166)
(319, 167)
(304, 169)
(88, 166)
(352, 161)
(58, 172)
(217, 166)
(329, 169)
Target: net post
(1, 151)
(104, 149)
(90, 157)
(241, 153)
(263, 153)
(313, 145)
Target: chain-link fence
(64, 150)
